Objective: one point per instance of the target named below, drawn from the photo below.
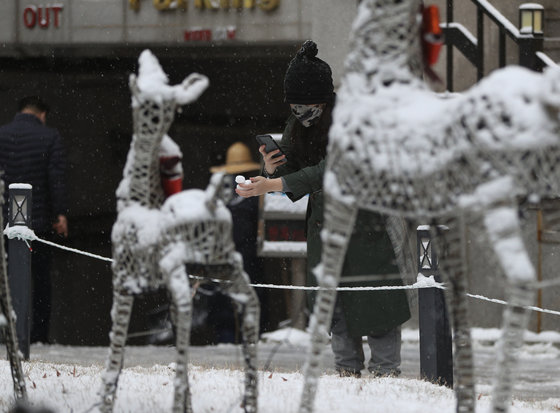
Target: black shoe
(342, 372)
(387, 373)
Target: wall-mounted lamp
(531, 19)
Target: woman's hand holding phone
(272, 159)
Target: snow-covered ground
(66, 379)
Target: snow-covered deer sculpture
(398, 149)
(7, 319)
(157, 242)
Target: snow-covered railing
(547, 61)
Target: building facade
(78, 55)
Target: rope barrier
(496, 301)
(62, 247)
(415, 286)
(25, 234)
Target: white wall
(331, 24)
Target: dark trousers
(349, 351)
(40, 291)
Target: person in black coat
(32, 153)
(244, 213)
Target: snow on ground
(67, 387)
(482, 336)
(288, 336)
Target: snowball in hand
(240, 179)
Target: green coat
(369, 252)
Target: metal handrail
(530, 46)
(546, 61)
(500, 20)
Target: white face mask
(308, 114)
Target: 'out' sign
(42, 16)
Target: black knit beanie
(308, 79)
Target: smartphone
(270, 144)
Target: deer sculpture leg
(247, 303)
(502, 225)
(404, 246)
(120, 316)
(450, 242)
(11, 336)
(339, 222)
(178, 286)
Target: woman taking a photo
(309, 90)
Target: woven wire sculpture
(7, 319)
(398, 149)
(157, 242)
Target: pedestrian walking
(33, 153)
